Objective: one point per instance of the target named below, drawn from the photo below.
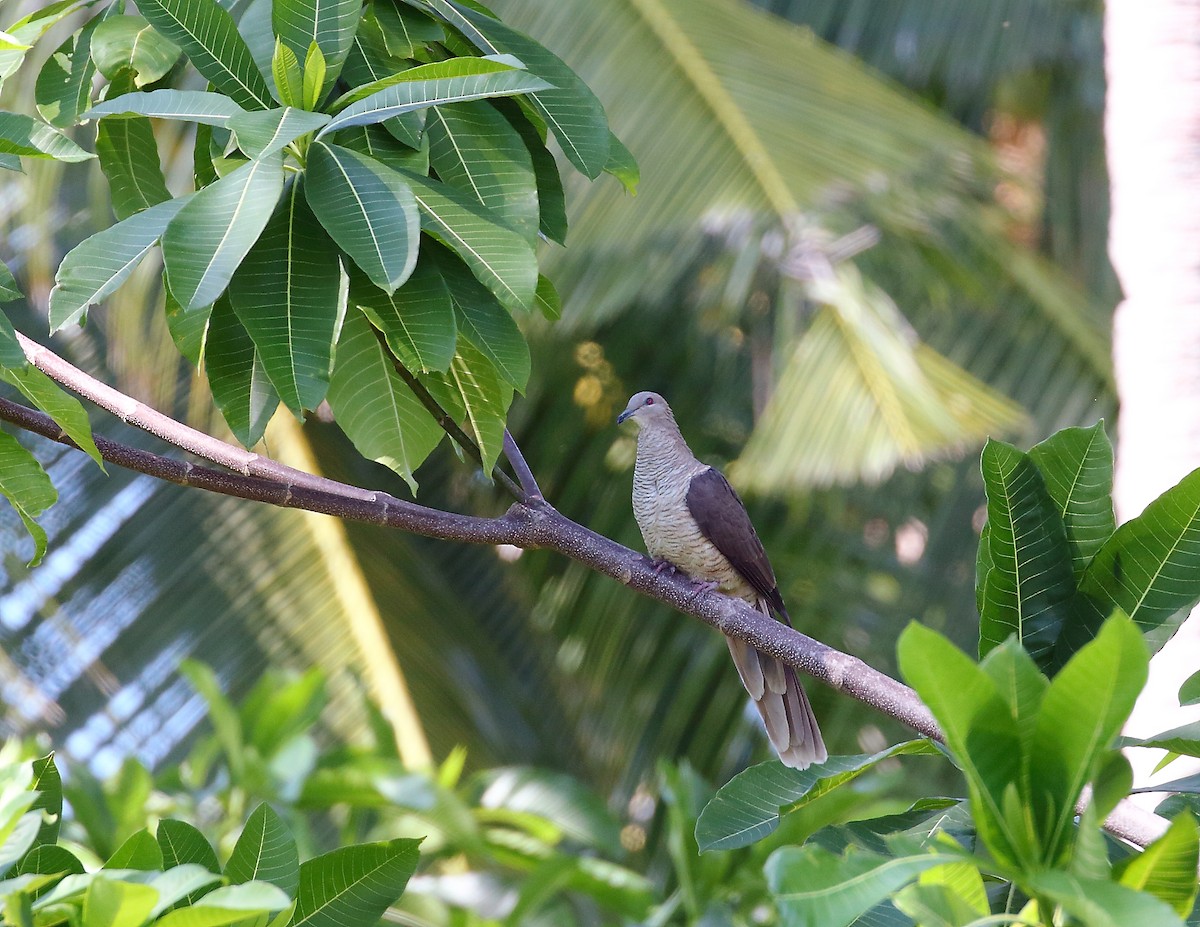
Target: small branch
(529, 486)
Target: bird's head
(646, 409)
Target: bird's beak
(624, 415)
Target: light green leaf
(314, 77)
(129, 42)
(1029, 585)
(1166, 868)
(289, 79)
(65, 409)
(98, 265)
(485, 323)
(181, 844)
(353, 885)
(23, 135)
(367, 208)
(622, 165)
(189, 330)
(474, 148)
(239, 382)
(328, 23)
(26, 486)
(374, 407)
(498, 257)
(285, 294)
(64, 84)
(1189, 692)
(569, 108)
(450, 81)
(212, 109)
(1100, 903)
(178, 882)
(1183, 740)
(751, 804)
(213, 232)
(208, 36)
(108, 903)
(417, 320)
(23, 835)
(139, 851)
(265, 851)
(478, 397)
(265, 132)
(25, 32)
(128, 156)
(547, 299)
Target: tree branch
(542, 526)
(516, 460)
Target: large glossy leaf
(353, 885)
(570, 108)
(265, 132)
(24, 135)
(450, 81)
(329, 23)
(751, 804)
(265, 851)
(367, 208)
(1081, 713)
(286, 295)
(214, 109)
(552, 203)
(64, 84)
(500, 258)
(130, 43)
(128, 155)
(473, 147)
(99, 265)
(239, 382)
(208, 238)
(65, 409)
(209, 37)
(25, 485)
(374, 407)
(1077, 465)
(417, 320)
(1028, 586)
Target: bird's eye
(649, 400)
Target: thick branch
(541, 526)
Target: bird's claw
(702, 586)
(663, 565)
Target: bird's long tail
(783, 704)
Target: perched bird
(691, 519)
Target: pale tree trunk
(1152, 127)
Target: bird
(693, 521)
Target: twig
(529, 486)
(543, 526)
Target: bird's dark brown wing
(722, 518)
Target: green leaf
(1077, 465)
(201, 106)
(1029, 585)
(485, 323)
(139, 851)
(478, 397)
(213, 232)
(24, 135)
(328, 23)
(265, 132)
(751, 805)
(25, 32)
(570, 108)
(108, 903)
(1149, 569)
(498, 257)
(225, 721)
(1184, 740)
(128, 156)
(180, 882)
(1100, 903)
(1166, 868)
(451, 81)
(353, 885)
(49, 859)
(367, 208)
(239, 382)
(265, 851)
(473, 147)
(26, 486)
(229, 904)
(622, 165)
(98, 265)
(945, 896)
(552, 201)
(1189, 692)
(417, 320)
(189, 330)
(182, 843)
(11, 352)
(547, 299)
(314, 77)
(209, 37)
(67, 411)
(10, 290)
(374, 407)
(815, 888)
(289, 79)
(1082, 711)
(376, 142)
(406, 31)
(21, 837)
(130, 42)
(286, 295)
(64, 84)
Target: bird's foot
(703, 586)
(661, 566)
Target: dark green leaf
(208, 36)
(201, 106)
(485, 323)
(478, 397)
(128, 156)
(189, 330)
(417, 320)
(130, 43)
(367, 208)
(548, 301)
(1166, 868)
(23, 135)
(64, 84)
(374, 407)
(353, 885)
(329, 23)
(10, 290)
(25, 485)
(181, 843)
(286, 295)
(405, 30)
(49, 859)
(213, 232)
(48, 784)
(552, 202)
(376, 142)
(239, 382)
(266, 132)
(1184, 740)
(139, 851)
(1029, 584)
(67, 411)
(265, 851)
